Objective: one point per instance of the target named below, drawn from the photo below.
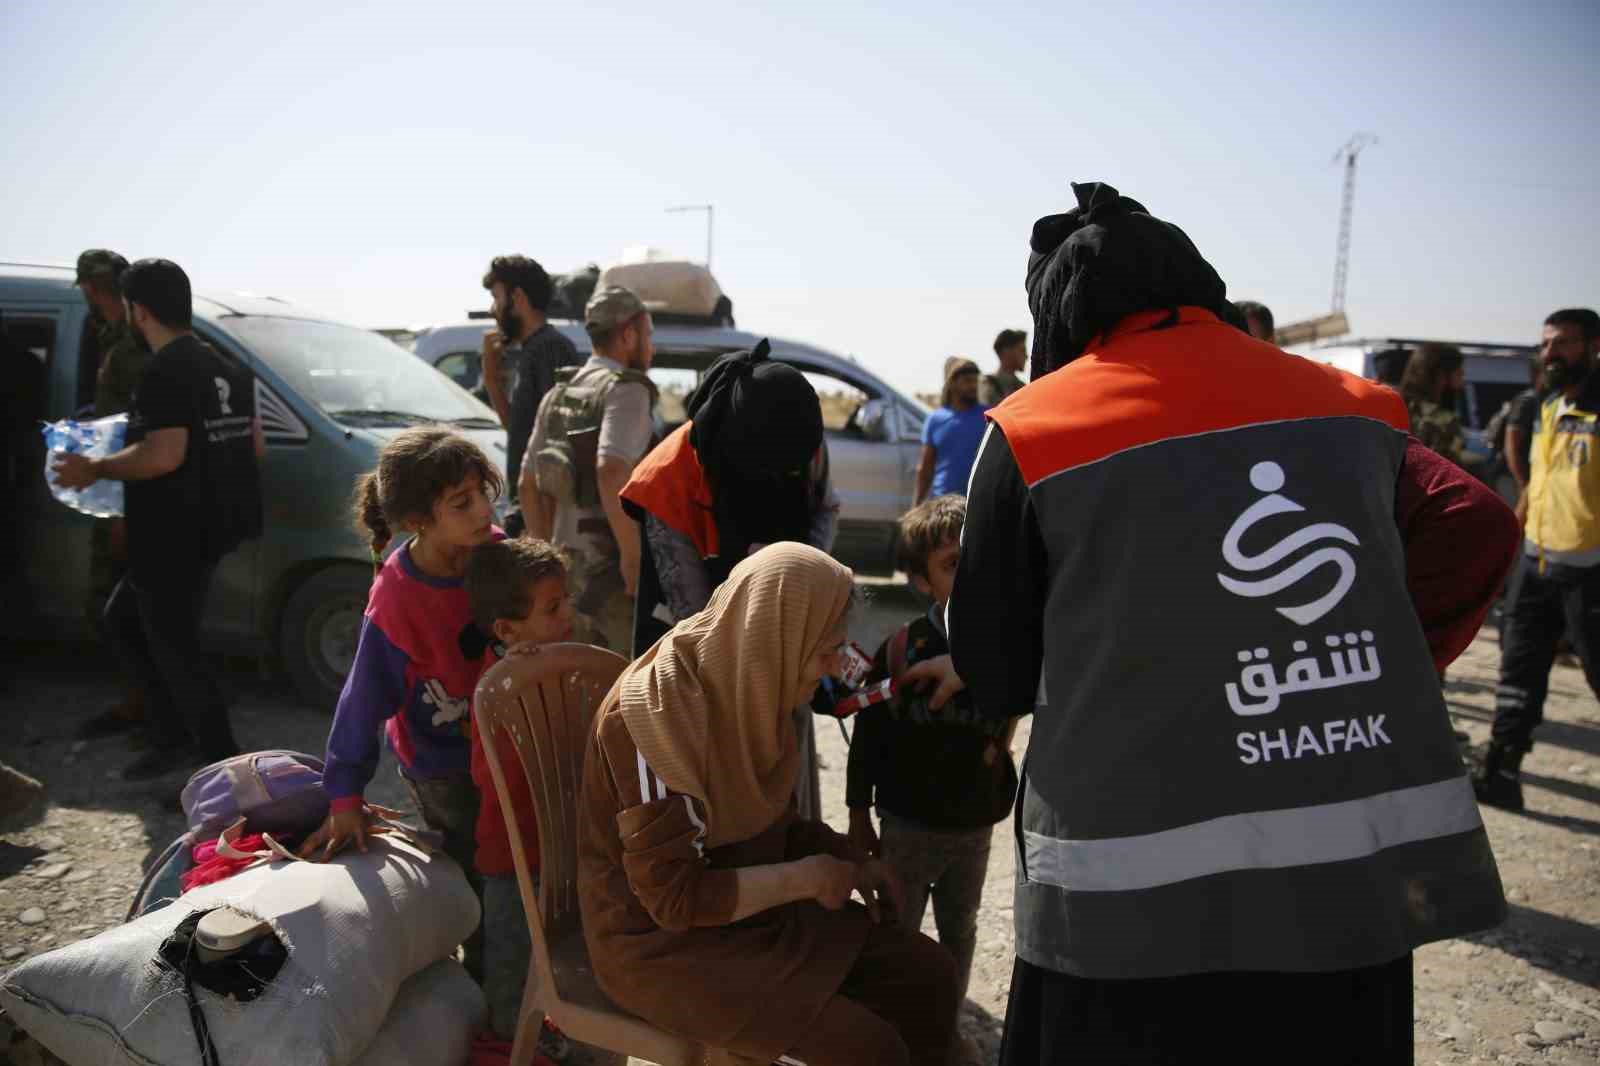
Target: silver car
(874, 433)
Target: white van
(1495, 373)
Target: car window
(675, 385)
(461, 368)
(356, 376)
(1491, 396)
(912, 416)
(840, 400)
(30, 340)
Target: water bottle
(96, 439)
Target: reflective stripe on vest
(1259, 840)
(1245, 762)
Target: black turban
(757, 424)
(1102, 261)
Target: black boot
(1498, 782)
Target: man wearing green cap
(122, 360)
(593, 428)
(122, 364)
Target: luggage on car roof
(673, 288)
(570, 292)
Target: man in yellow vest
(1556, 586)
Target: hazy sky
(875, 168)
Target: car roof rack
(1490, 348)
(660, 318)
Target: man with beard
(193, 493)
(1556, 587)
(521, 358)
(122, 364)
(951, 434)
(1223, 832)
(593, 428)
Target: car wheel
(321, 626)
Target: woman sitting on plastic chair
(710, 909)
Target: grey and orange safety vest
(1243, 760)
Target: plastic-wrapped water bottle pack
(97, 439)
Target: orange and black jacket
(1225, 577)
(670, 485)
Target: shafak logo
(1268, 477)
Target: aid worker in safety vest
(1242, 807)
(1555, 590)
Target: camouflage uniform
(605, 610)
(1438, 427)
(563, 451)
(122, 363)
(993, 388)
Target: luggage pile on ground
(344, 963)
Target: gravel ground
(1528, 992)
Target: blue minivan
(329, 396)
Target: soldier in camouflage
(1433, 379)
(593, 427)
(1011, 348)
(122, 363)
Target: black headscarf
(1102, 261)
(756, 425)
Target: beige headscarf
(709, 707)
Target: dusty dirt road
(1528, 992)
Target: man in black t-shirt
(520, 359)
(193, 493)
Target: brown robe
(656, 911)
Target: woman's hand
(830, 880)
(939, 671)
(878, 884)
(862, 836)
(339, 829)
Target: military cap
(611, 307)
(100, 263)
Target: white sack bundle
(432, 1021)
(355, 928)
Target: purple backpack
(277, 792)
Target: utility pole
(1341, 264)
(709, 210)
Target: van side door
(46, 573)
